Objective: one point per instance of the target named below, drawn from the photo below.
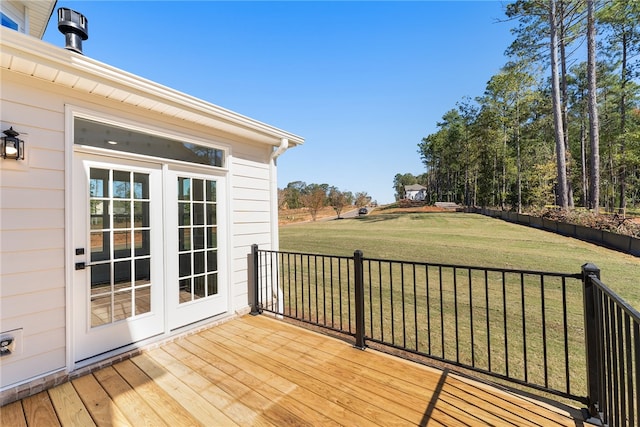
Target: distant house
(415, 192)
(131, 215)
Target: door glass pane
(184, 189)
(100, 246)
(141, 214)
(142, 242)
(99, 211)
(121, 184)
(100, 310)
(197, 235)
(142, 299)
(121, 244)
(122, 305)
(198, 262)
(140, 186)
(143, 272)
(198, 214)
(198, 190)
(122, 275)
(199, 287)
(99, 183)
(184, 239)
(121, 214)
(184, 294)
(120, 251)
(211, 191)
(184, 214)
(100, 279)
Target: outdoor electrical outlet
(11, 343)
(6, 346)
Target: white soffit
(27, 55)
(37, 13)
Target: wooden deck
(261, 371)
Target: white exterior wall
(33, 291)
(32, 239)
(250, 218)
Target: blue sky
(362, 82)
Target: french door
(118, 238)
(148, 254)
(195, 233)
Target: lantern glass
(12, 147)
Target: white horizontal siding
(32, 258)
(251, 216)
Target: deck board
(259, 371)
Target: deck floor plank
(342, 363)
(198, 407)
(260, 371)
(226, 403)
(13, 415)
(480, 398)
(134, 406)
(103, 410)
(69, 407)
(362, 402)
(38, 410)
(264, 379)
(164, 405)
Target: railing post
(359, 300)
(254, 301)
(591, 336)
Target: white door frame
(220, 173)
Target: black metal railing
(529, 327)
(613, 353)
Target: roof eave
(27, 55)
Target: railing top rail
(430, 264)
(632, 312)
(472, 267)
(271, 251)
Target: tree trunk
(564, 101)
(594, 125)
(583, 160)
(563, 201)
(518, 159)
(623, 125)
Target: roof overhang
(30, 56)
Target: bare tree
(563, 199)
(594, 125)
(314, 201)
(338, 200)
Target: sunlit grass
(464, 239)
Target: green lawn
(464, 239)
(492, 321)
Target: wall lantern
(12, 146)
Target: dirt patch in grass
(412, 209)
(291, 216)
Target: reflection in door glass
(120, 245)
(197, 239)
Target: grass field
(463, 239)
(459, 322)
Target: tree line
(558, 125)
(314, 197)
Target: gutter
(284, 145)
